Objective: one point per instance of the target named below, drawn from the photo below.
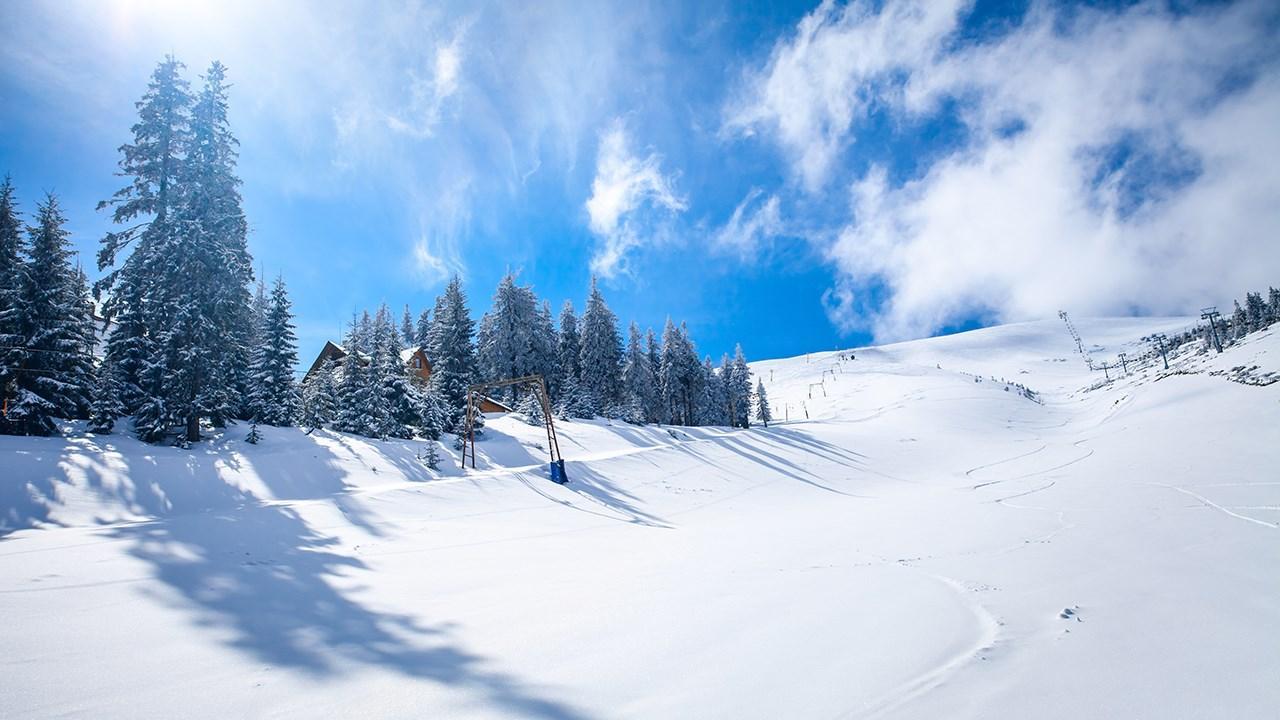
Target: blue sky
(789, 176)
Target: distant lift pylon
(532, 383)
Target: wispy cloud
(754, 223)
(626, 190)
(818, 83)
(1115, 160)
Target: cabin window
(417, 363)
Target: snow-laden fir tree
(508, 344)
(638, 383)
(530, 406)
(679, 375)
(738, 388)
(422, 332)
(568, 351)
(451, 350)
(12, 272)
(408, 334)
(546, 346)
(275, 398)
(1239, 322)
(356, 404)
(1273, 305)
(56, 377)
(181, 301)
(320, 397)
(209, 375)
(145, 208)
(105, 407)
(654, 412)
(400, 407)
(763, 414)
(712, 402)
(1256, 310)
(601, 355)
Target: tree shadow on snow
(266, 576)
(585, 481)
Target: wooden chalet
(416, 360)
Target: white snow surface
(922, 545)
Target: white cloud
(625, 190)
(427, 95)
(1106, 169)
(752, 225)
(821, 81)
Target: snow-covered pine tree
(673, 383)
(422, 333)
(12, 272)
(763, 414)
(739, 389)
(654, 412)
(601, 355)
(354, 390)
(1239, 322)
(637, 379)
(711, 404)
(400, 407)
(57, 376)
(105, 407)
(505, 342)
(1256, 310)
(1273, 306)
(451, 351)
(408, 334)
(320, 397)
(545, 346)
(568, 351)
(154, 163)
(530, 406)
(206, 272)
(275, 394)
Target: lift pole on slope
(1211, 314)
(1124, 364)
(1164, 353)
(1071, 328)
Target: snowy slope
(923, 544)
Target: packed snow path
(925, 544)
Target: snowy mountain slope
(922, 545)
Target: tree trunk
(193, 427)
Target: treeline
(191, 346)
(1256, 313)
(589, 369)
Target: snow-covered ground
(914, 540)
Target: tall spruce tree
(408, 335)
(276, 400)
(637, 379)
(57, 376)
(506, 340)
(320, 397)
(739, 389)
(568, 350)
(206, 271)
(653, 412)
(451, 350)
(422, 332)
(13, 270)
(763, 414)
(154, 164)
(601, 354)
(712, 399)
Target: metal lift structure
(533, 383)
